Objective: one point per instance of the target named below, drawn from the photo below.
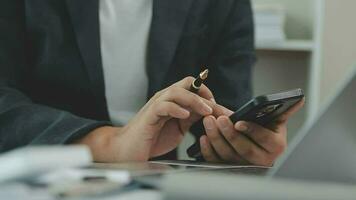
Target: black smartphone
(261, 110)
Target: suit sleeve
(23, 122)
(233, 57)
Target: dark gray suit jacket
(51, 80)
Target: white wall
(339, 43)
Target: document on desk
(137, 169)
(196, 164)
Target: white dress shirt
(124, 33)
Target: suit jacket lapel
(85, 20)
(168, 19)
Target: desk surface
(140, 194)
(202, 184)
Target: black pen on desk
(199, 81)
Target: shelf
(288, 45)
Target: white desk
(141, 194)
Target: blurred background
(308, 44)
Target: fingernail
(208, 123)
(207, 108)
(242, 127)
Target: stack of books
(269, 23)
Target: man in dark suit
(54, 78)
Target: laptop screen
(326, 150)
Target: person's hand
(156, 129)
(244, 142)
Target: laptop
(325, 149)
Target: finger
(270, 141)
(185, 83)
(192, 119)
(291, 111)
(204, 91)
(219, 110)
(185, 98)
(227, 129)
(218, 142)
(194, 116)
(251, 152)
(170, 109)
(248, 150)
(207, 150)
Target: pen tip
(204, 74)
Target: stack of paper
(29, 162)
(269, 23)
